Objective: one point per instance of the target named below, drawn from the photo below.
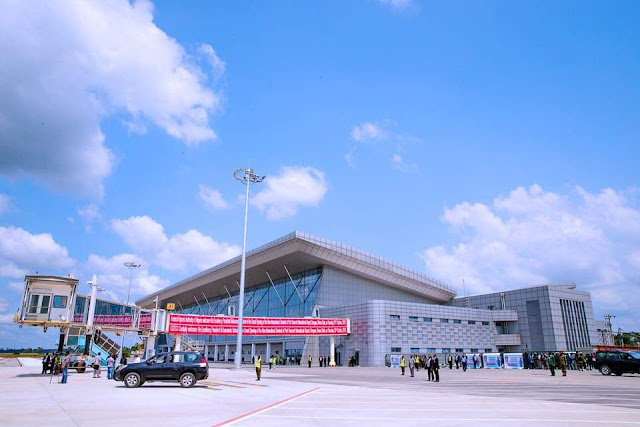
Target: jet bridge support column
(92, 310)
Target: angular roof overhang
(298, 252)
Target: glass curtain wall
(264, 300)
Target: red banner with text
(193, 324)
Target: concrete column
(178, 343)
(253, 350)
(226, 352)
(149, 347)
(332, 351)
(206, 352)
(268, 355)
(215, 352)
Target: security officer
(563, 363)
(258, 367)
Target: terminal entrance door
(356, 358)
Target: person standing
(412, 366)
(430, 368)
(562, 358)
(66, 361)
(551, 362)
(123, 359)
(46, 361)
(270, 361)
(464, 361)
(310, 360)
(450, 360)
(110, 362)
(457, 361)
(57, 362)
(96, 366)
(403, 364)
(258, 367)
(436, 368)
(136, 359)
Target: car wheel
(187, 380)
(132, 380)
(605, 370)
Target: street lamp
(131, 266)
(246, 176)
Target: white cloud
(532, 237)
(113, 276)
(212, 198)
(368, 132)
(89, 214)
(178, 252)
(4, 305)
(396, 4)
(67, 65)
(16, 286)
(5, 204)
(287, 192)
(22, 252)
(398, 163)
(217, 65)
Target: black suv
(187, 367)
(618, 362)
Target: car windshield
(635, 354)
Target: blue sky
(495, 142)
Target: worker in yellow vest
(310, 360)
(403, 364)
(258, 367)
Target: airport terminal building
(392, 309)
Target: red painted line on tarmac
(248, 414)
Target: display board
(491, 360)
(513, 361)
(228, 325)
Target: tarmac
(343, 396)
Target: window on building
(490, 307)
(59, 301)
(431, 350)
(487, 350)
(446, 350)
(415, 350)
(457, 321)
(485, 323)
(459, 350)
(472, 322)
(475, 350)
(394, 316)
(413, 318)
(396, 350)
(444, 320)
(427, 319)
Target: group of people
(464, 361)
(56, 363)
(574, 361)
(429, 362)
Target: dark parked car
(187, 367)
(618, 362)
